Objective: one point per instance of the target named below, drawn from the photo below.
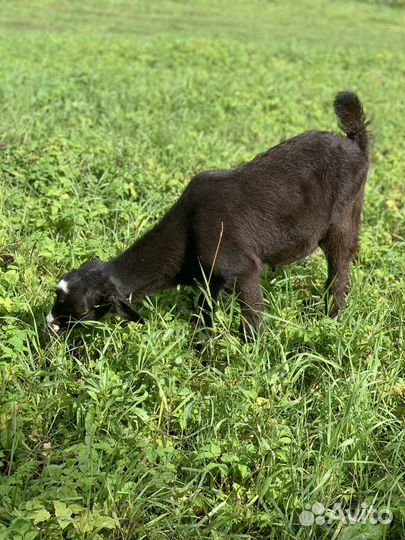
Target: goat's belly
(291, 254)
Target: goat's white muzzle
(50, 322)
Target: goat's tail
(352, 121)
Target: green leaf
(63, 513)
(229, 458)
(220, 466)
(243, 470)
(215, 450)
(61, 510)
(347, 442)
(106, 522)
(360, 531)
(40, 516)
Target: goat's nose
(50, 320)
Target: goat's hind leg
(339, 246)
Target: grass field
(128, 432)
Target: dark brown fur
(278, 208)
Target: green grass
(107, 110)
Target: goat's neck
(152, 263)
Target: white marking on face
(63, 286)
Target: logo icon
(317, 514)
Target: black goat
(278, 208)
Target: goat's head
(86, 294)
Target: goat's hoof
(249, 334)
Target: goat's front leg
(203, 302)
(250, 297)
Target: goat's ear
(124, 309)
